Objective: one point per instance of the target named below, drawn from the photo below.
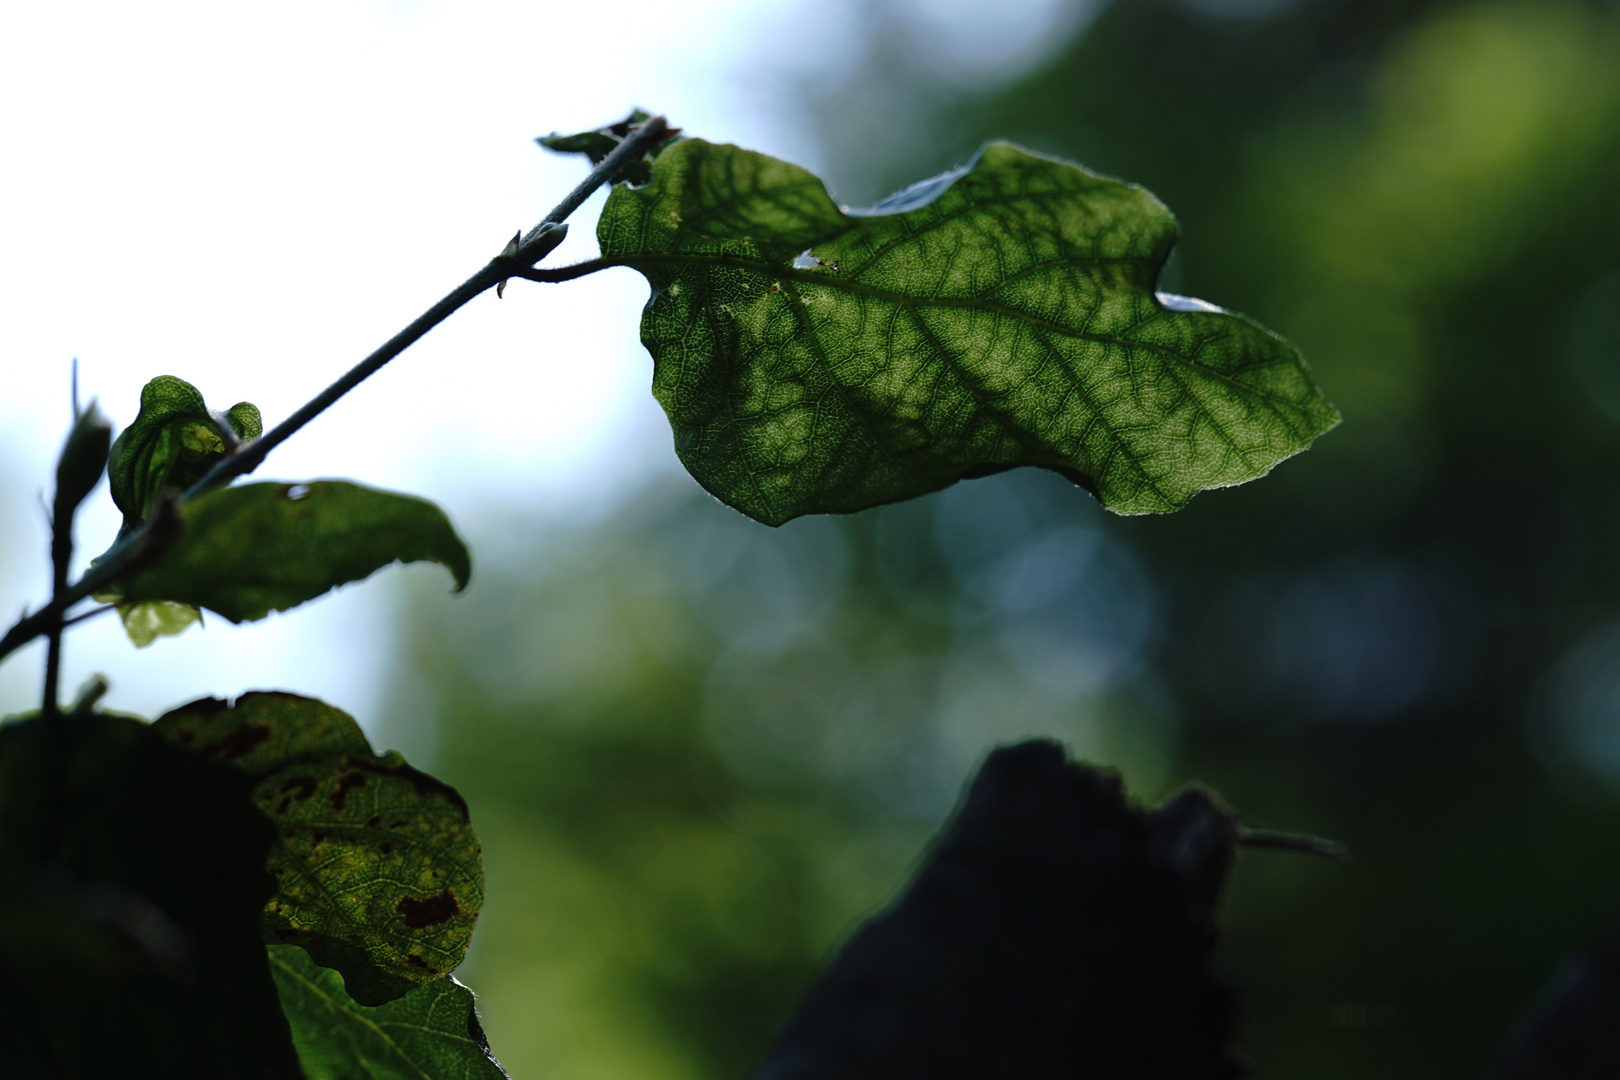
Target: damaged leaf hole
(346, 783)
(806, 261)
(431, 911)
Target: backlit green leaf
(813, 359)
(433, 1031)
(378, 870)
(249, 550)
(172, 443)
(147, 621)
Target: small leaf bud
(83, 459)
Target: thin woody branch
(534, 246)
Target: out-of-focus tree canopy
(698, 749)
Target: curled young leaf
(813, 359)
(595, 145)
(377, 868)
(598, 144)
(173, 441)
(244, 419)
(433, 1031)
(249, 550)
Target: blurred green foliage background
(700, 750)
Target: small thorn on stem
(508, 252)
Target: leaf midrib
(832, 281)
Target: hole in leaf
(297, 491)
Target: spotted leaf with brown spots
(377, 868)
(263, 731)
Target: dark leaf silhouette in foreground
(130, 890)
(1056, 932)
(1572, 1031)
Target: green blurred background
(700, 750)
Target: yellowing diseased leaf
(378, 871)
(263, 731)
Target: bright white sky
(252, 197)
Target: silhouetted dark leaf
(1572, 1031)
(138, 873)
(1055, 932)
